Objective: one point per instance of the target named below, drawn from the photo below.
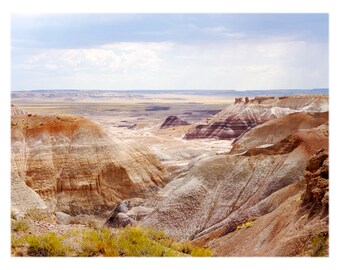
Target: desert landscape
(169, 173)
(169, 135)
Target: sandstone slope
(223, 192)
(76, 167)
(237, 119)
(296, 227)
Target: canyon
(242, 177)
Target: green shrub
(20, 225)
(159, 236)
(100, 242)
(130, 241)
(135, 241)
(17, 241)
(191, 250)
(49, 244)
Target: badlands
(220, 175)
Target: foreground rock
(239, 118)
(76, 167)
(127, 212)
(295, 227)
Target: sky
(169, 51)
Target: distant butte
(173, 121)
(235, 120)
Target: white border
(165, 6)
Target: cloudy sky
(169, 51)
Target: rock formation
(276, 130)
(173, 121)
(76, 167)
(127, 212)
(16, 111)
(238, 100)
(298, 226)
(239, 118)
(248, 204)
(316, 195)
(23, 198)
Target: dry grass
(130, 241)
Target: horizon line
(234, 90)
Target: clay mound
(16, 111)
(173, 121)
(76, 167)
(221, 192)
(276, 130)
(239, 118)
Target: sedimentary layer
(239, 118)
(76, 167)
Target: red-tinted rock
(237, 119)
(173, 121)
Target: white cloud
(165, 65)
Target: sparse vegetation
(191, 250)
(100, 242)
(318, 246)
(40, 215)
(130, 241)
(245, 225)
(298, 199)
(49, 244)
(20, 225)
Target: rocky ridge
(239, 118)
(276, 130)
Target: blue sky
(169, 51)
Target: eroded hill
(76, 167)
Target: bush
(20, 225)
(99, 243)
(192, 250)
(130, 241)
(49, 244)
(135, 241)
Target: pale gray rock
(63, 218)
